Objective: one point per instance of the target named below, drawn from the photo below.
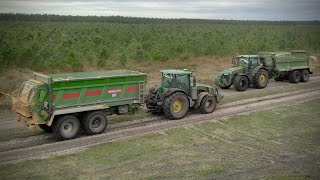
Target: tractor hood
(224, 79)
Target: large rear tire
(208, 104)
(241, 83)
(66, 127)
(45, 128)
(176, 106)
(295, 76)
(305, 75)
(94, 122)
(261, 79)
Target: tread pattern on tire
(85, 122)
(56, 127)
(256, 79)
(167, 105)
(202, 107)
(237, 83)
(294, 76)
(304, 75)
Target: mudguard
(200, 97)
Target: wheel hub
(262, 79)
(67, 127)
(177, 106)
(96, 123)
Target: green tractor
(247, 70)
(178, 92)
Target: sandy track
(235, 108)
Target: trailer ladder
(141, 92)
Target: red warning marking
(71, 95)
(132, 89)
(94, 93)
(54, 97)
(114, 91)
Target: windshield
(27, 91)
(176, 81)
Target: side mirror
(42, 95)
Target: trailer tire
(66, 127)
(261, 79)
(176, 106)
(295, 76)
(45, 128)
(94, 122)
(304, 75)
(208, 104)
(241, 83)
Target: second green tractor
(178, 92)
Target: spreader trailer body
(65, 103)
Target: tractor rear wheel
(176, 106)
(261, 79)
(66, 127)
(241, 83)
(208, 104)
(295, 76)
(94, 122)
(45, 128)
(304, 75)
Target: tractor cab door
(252, 64)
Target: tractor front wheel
(208, 104)
(261, 79)
(241, 83)
(176, 106)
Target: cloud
(218, 9)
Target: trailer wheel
(176, 106)
(66, 127)
(261, 79)
(94, 122)
(45, 128)
(241, 83)
(208, 104)
(304, 75)
(295, 76)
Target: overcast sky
(205, 9)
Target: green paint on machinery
(178, 92)
(63, 103)
(255, 70)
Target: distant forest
(44, 42)
(139, 20)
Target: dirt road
(156, 126)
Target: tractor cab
(179, 79)
(249, 62)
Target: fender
(173, 90)
(200, 97)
